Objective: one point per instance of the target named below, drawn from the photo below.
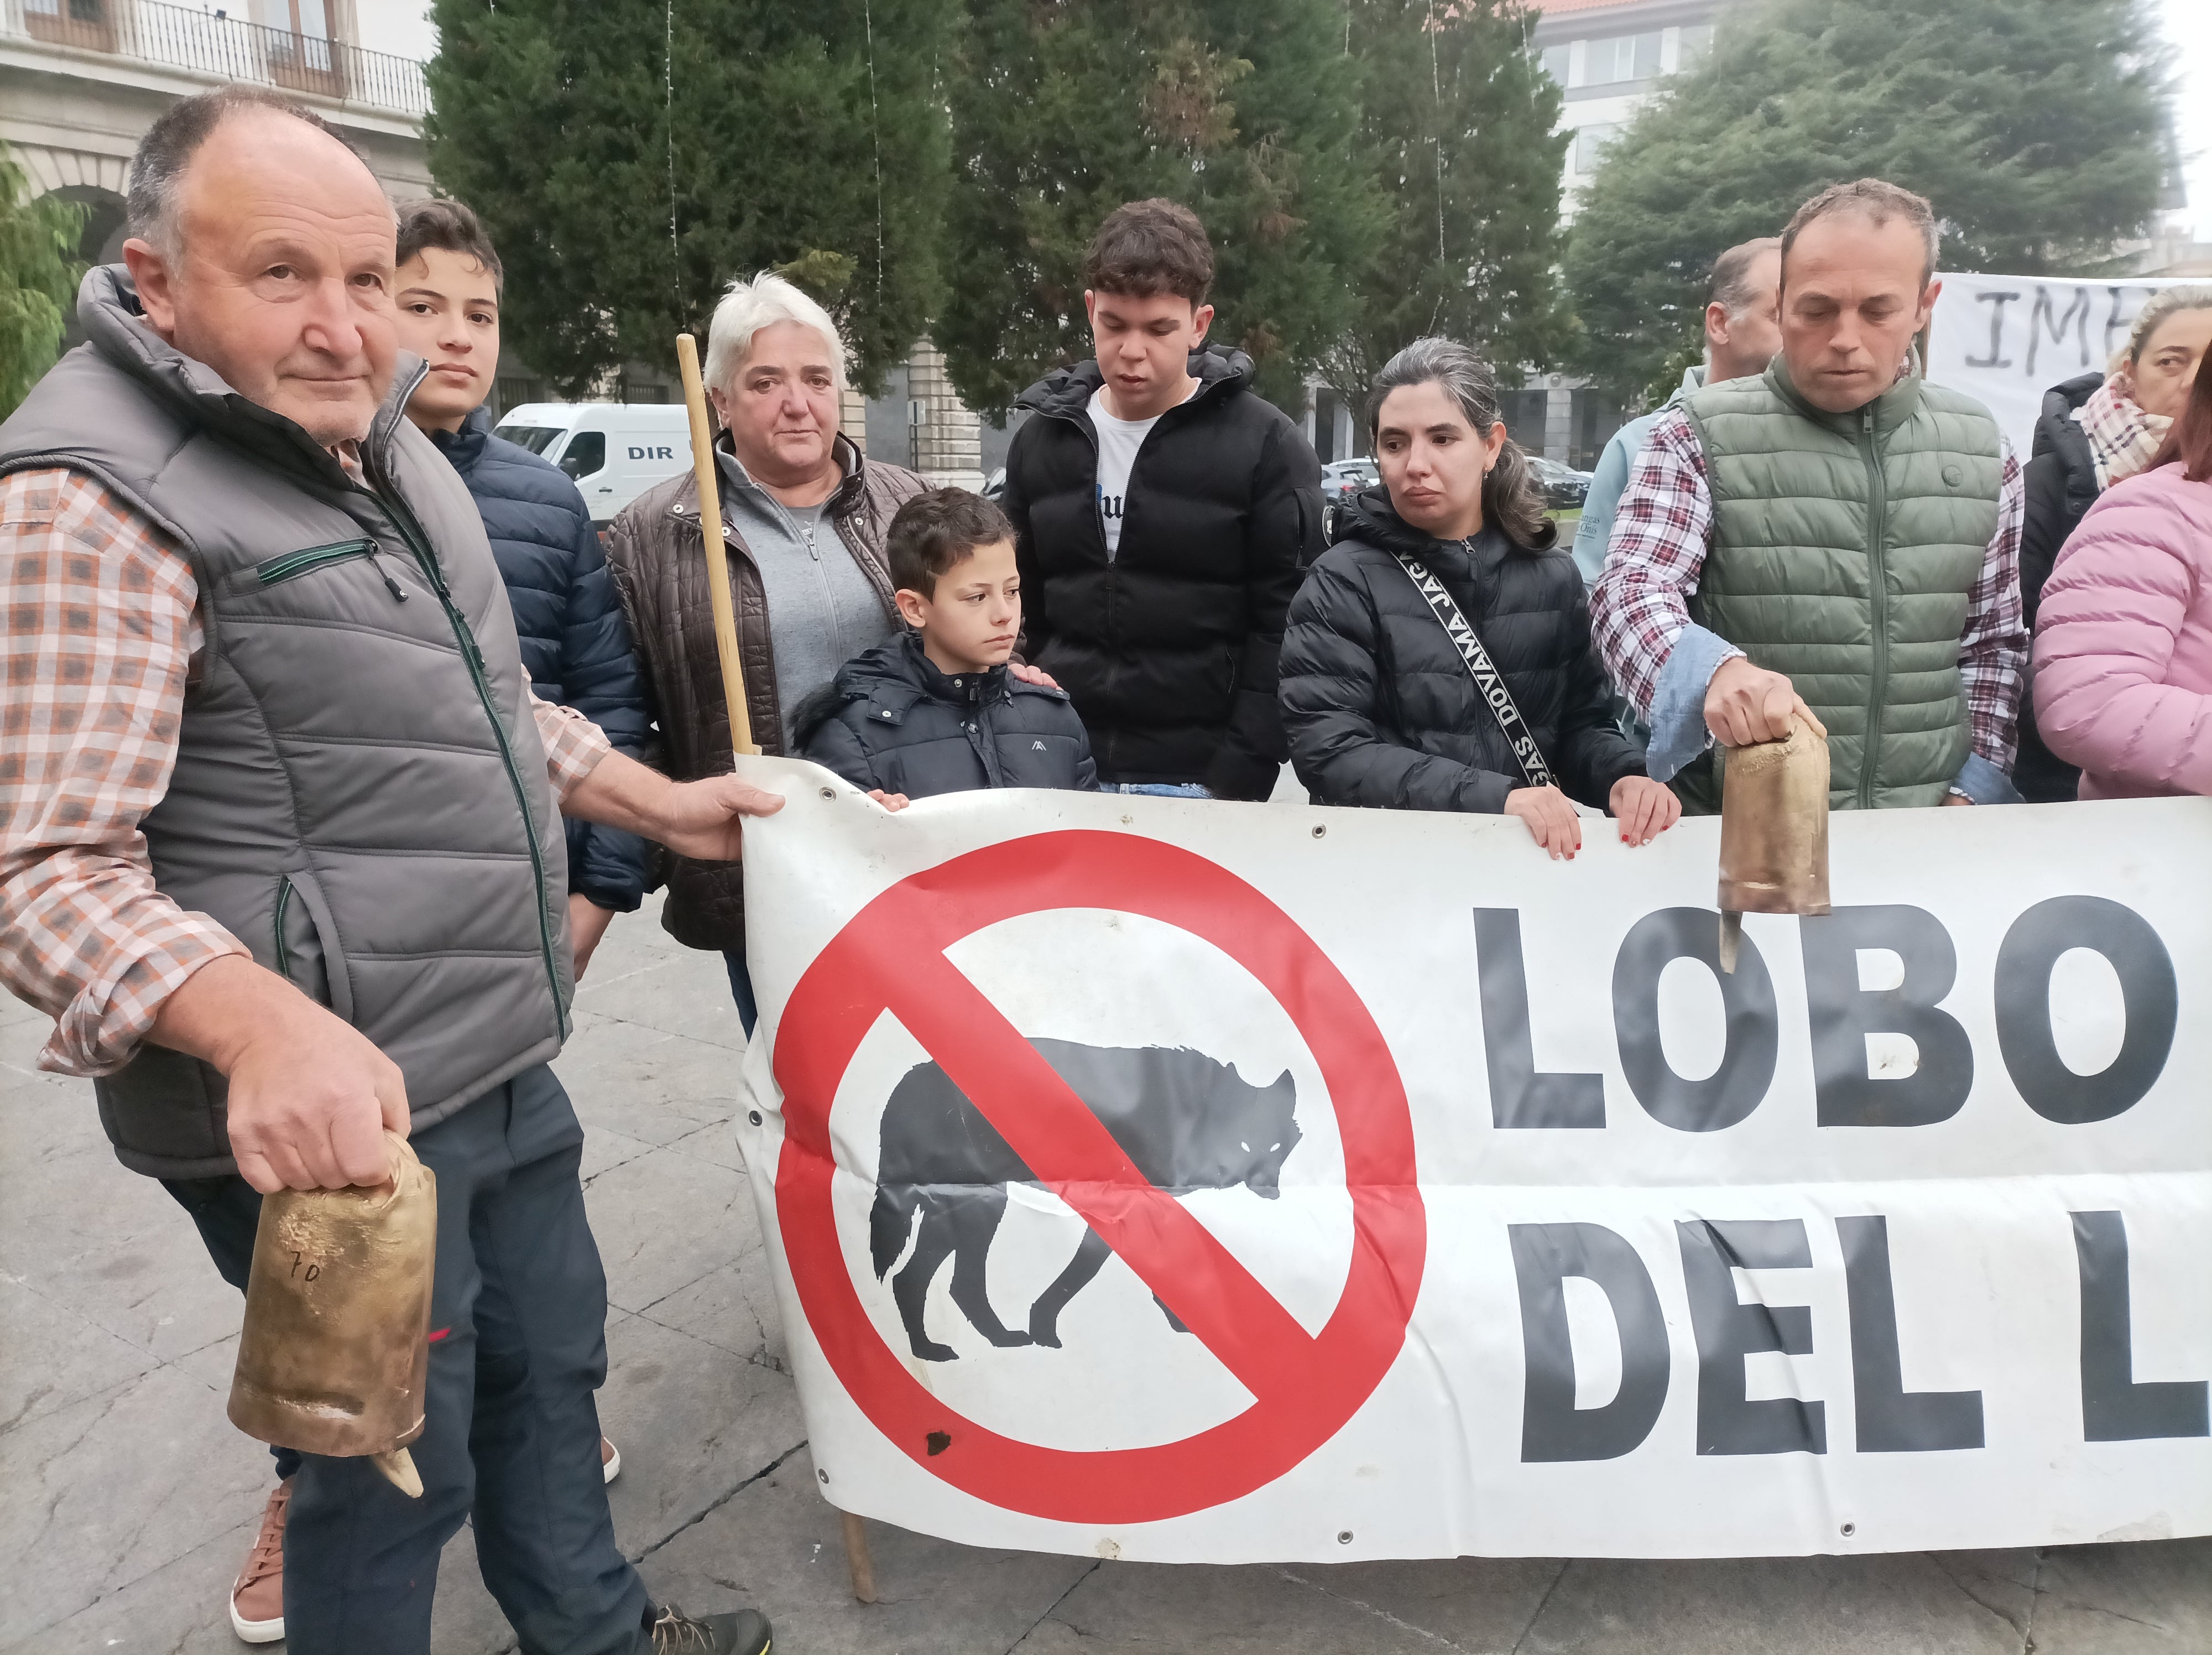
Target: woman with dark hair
(2123, 637)
(1438, 656)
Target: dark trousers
(741, 989)
(517, 1330)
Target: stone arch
(104, 230)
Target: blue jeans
(512, 1438)
(741, 989)
(1159, 789)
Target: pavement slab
(110, 1488)
(57, 1356)
(2143, 1598)
(131, 1501)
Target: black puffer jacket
(575, 642)
(1170, 648)
(891, 720)
(1381, 710)
(2060, 483)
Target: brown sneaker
(256, 1600)
(609, 1461)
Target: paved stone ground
(127, 1501)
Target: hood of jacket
(2056, 432)
(1220, 370)
(1368, 517)
(896, 673)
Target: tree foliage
(1454, 134)
(1064, 109)
(2034, 128)
(38, 274)
(630, 158)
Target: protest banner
(2004, 340)
(1229, 1182)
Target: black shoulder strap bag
(1489, 683)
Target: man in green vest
(1836, 539)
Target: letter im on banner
(2005, 340)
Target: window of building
(1621, 57)
(1589, 145)
(1555, 63)
(1697, 41)
(85, 23)
(586, 453)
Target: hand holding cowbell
(1774, 831)
(335, 1353)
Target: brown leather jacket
(659, 567)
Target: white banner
(1500, 1222)
(2005, 340)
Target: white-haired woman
(804, 517)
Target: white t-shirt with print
(1118, 442)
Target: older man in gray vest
(1835, 538)
(280, 849)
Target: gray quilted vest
(360, 796)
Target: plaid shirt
(1640, 609)
(103, 633)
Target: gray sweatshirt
(822, 608)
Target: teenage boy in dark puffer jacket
(575, 642)
(934, 709)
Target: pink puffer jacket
(2123, 642)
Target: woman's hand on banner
(1550, 819)
(1644, 808)
(889, 800)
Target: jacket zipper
(418, 543)
(292, 564)
(284, 902)
(1878, 593)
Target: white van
(614, 450)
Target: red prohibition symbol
(891, 956)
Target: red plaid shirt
(1664, 528)
(103, 633)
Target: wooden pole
(857, 1560)
(717, 557)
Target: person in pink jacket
(2123, 638)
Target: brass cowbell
(1774, 831)
(335, 1352)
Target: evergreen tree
(1242, 109)
(2035, 129)
(630, 158)
(1456, 135)
(38, 274)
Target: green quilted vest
(1843, 548)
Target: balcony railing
(222, 48)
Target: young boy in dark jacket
(935, 710)
(575, 643)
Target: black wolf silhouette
(1186, 1121)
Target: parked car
(1564, 488)
(1340, 479)
(614, 450)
